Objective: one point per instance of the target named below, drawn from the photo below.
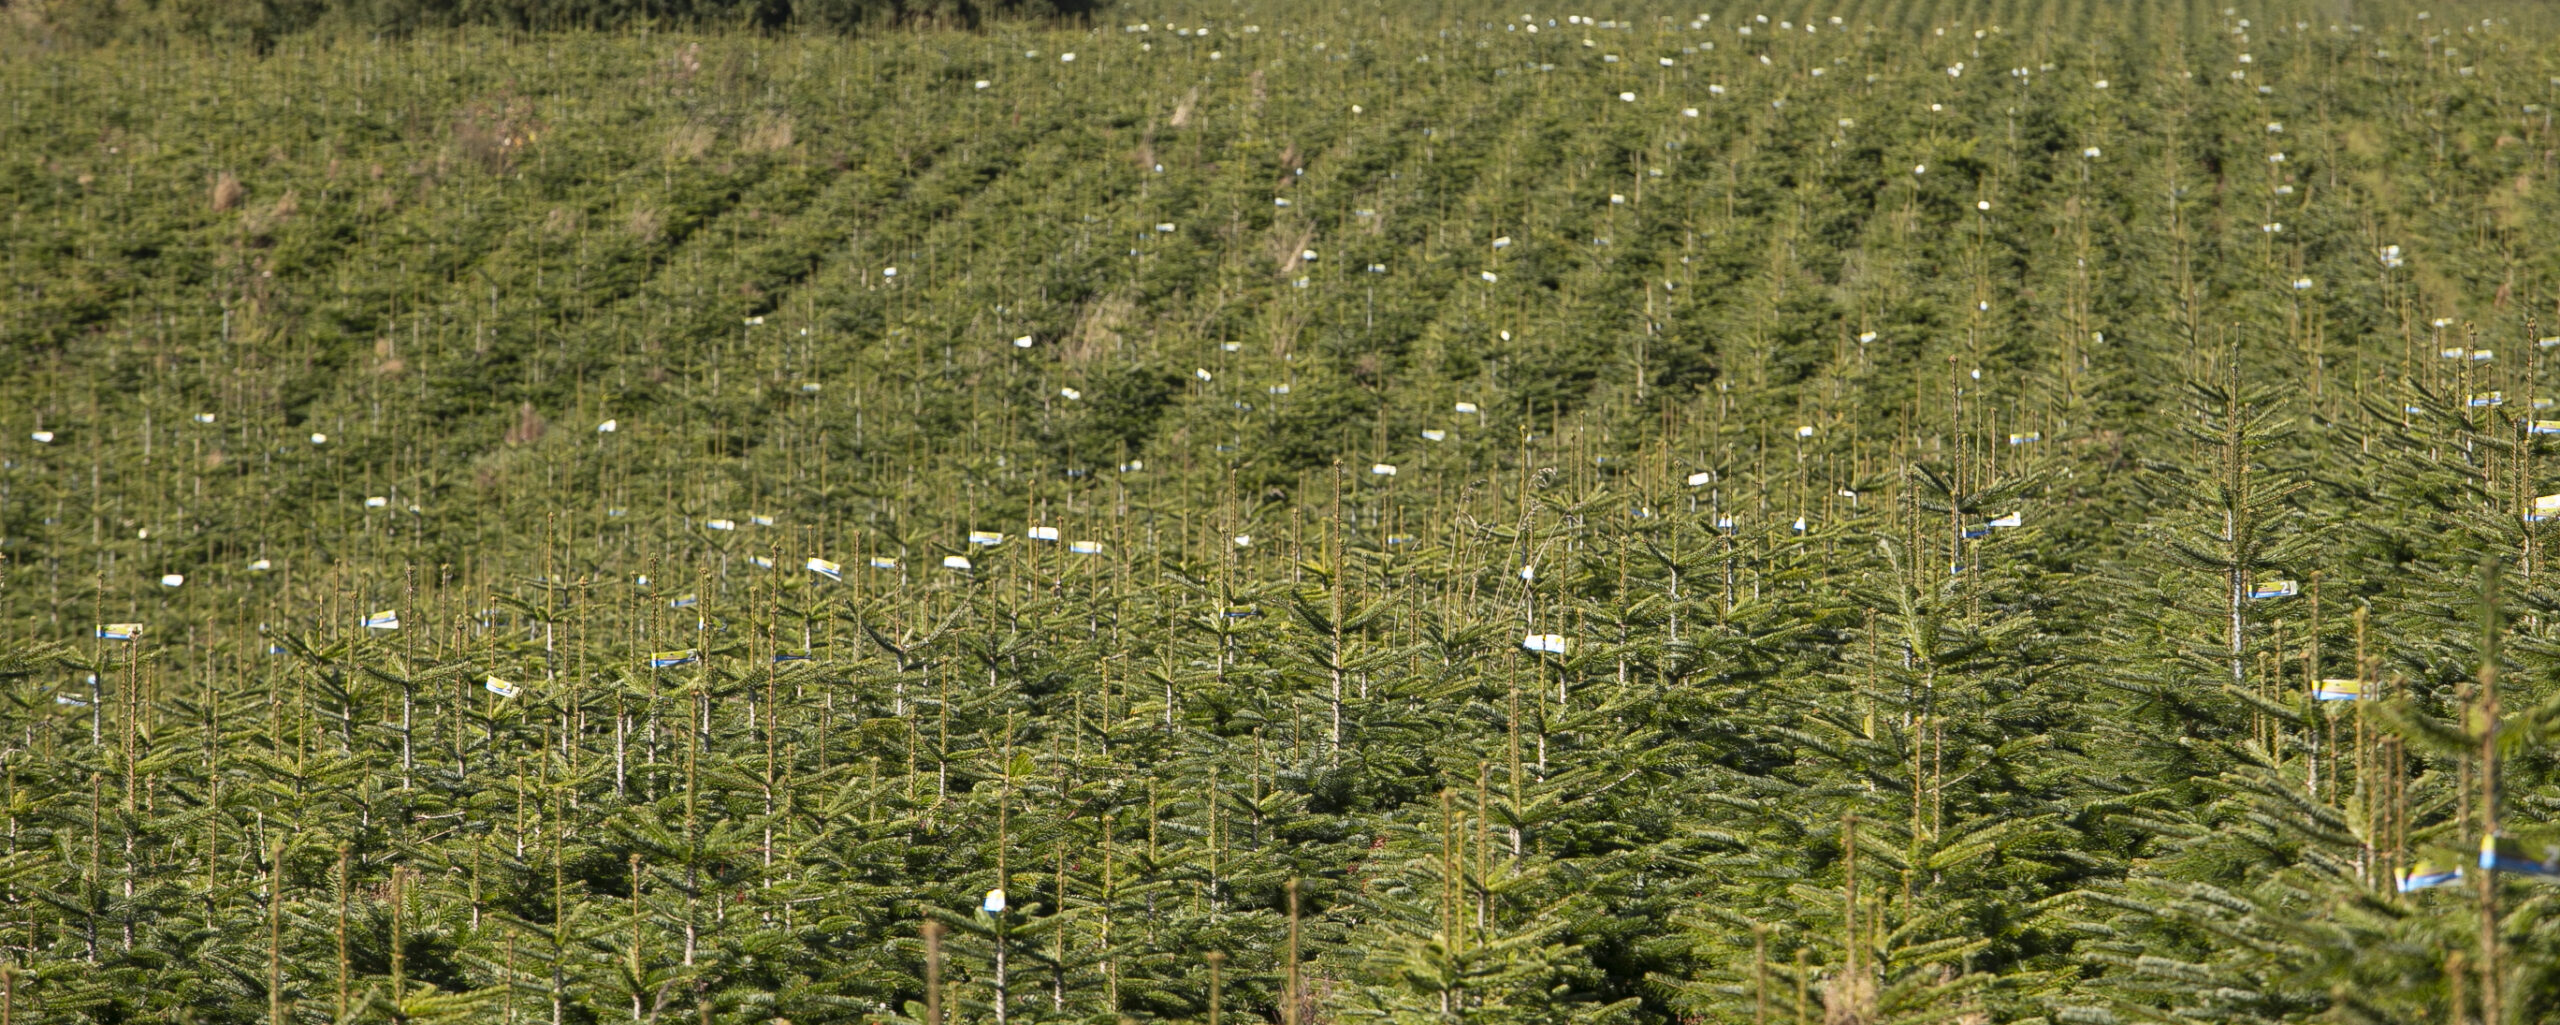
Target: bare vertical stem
(2490, 1011)
(933, 973)
(1289, 989)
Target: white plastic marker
(501, 688)
(1435, 435)
(720, 524)
(608, 427)
(376, 501)
(1382, 470)
(955, 562)
(1070, 394)
(1086, 547)
(986, 537)
(1244, 540)
(1529, 572)
(384, 620)
(204, 418)
(260, 566)
(42, 437)
(1702, 478)
(993, 903)
(1041, 533)
(1468, 408)
(883, 562)
(824, 568)
(2015, 519)
(319, 439)
(1552, 644)
(173, 580)
(761, 521)
(1023, 342)
(119, 631)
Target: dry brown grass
(529, 426)
(689, 141)
(1097, 330)
(492, 131)
(1849, 1000)
(1145, 155)
(643, 224)
(1291, 247)
(768, 133)
(386, 357)
(228, 192)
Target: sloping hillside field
(1873, 511)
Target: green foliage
(1640, 521)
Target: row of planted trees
(712, 802)
(1800, 559)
